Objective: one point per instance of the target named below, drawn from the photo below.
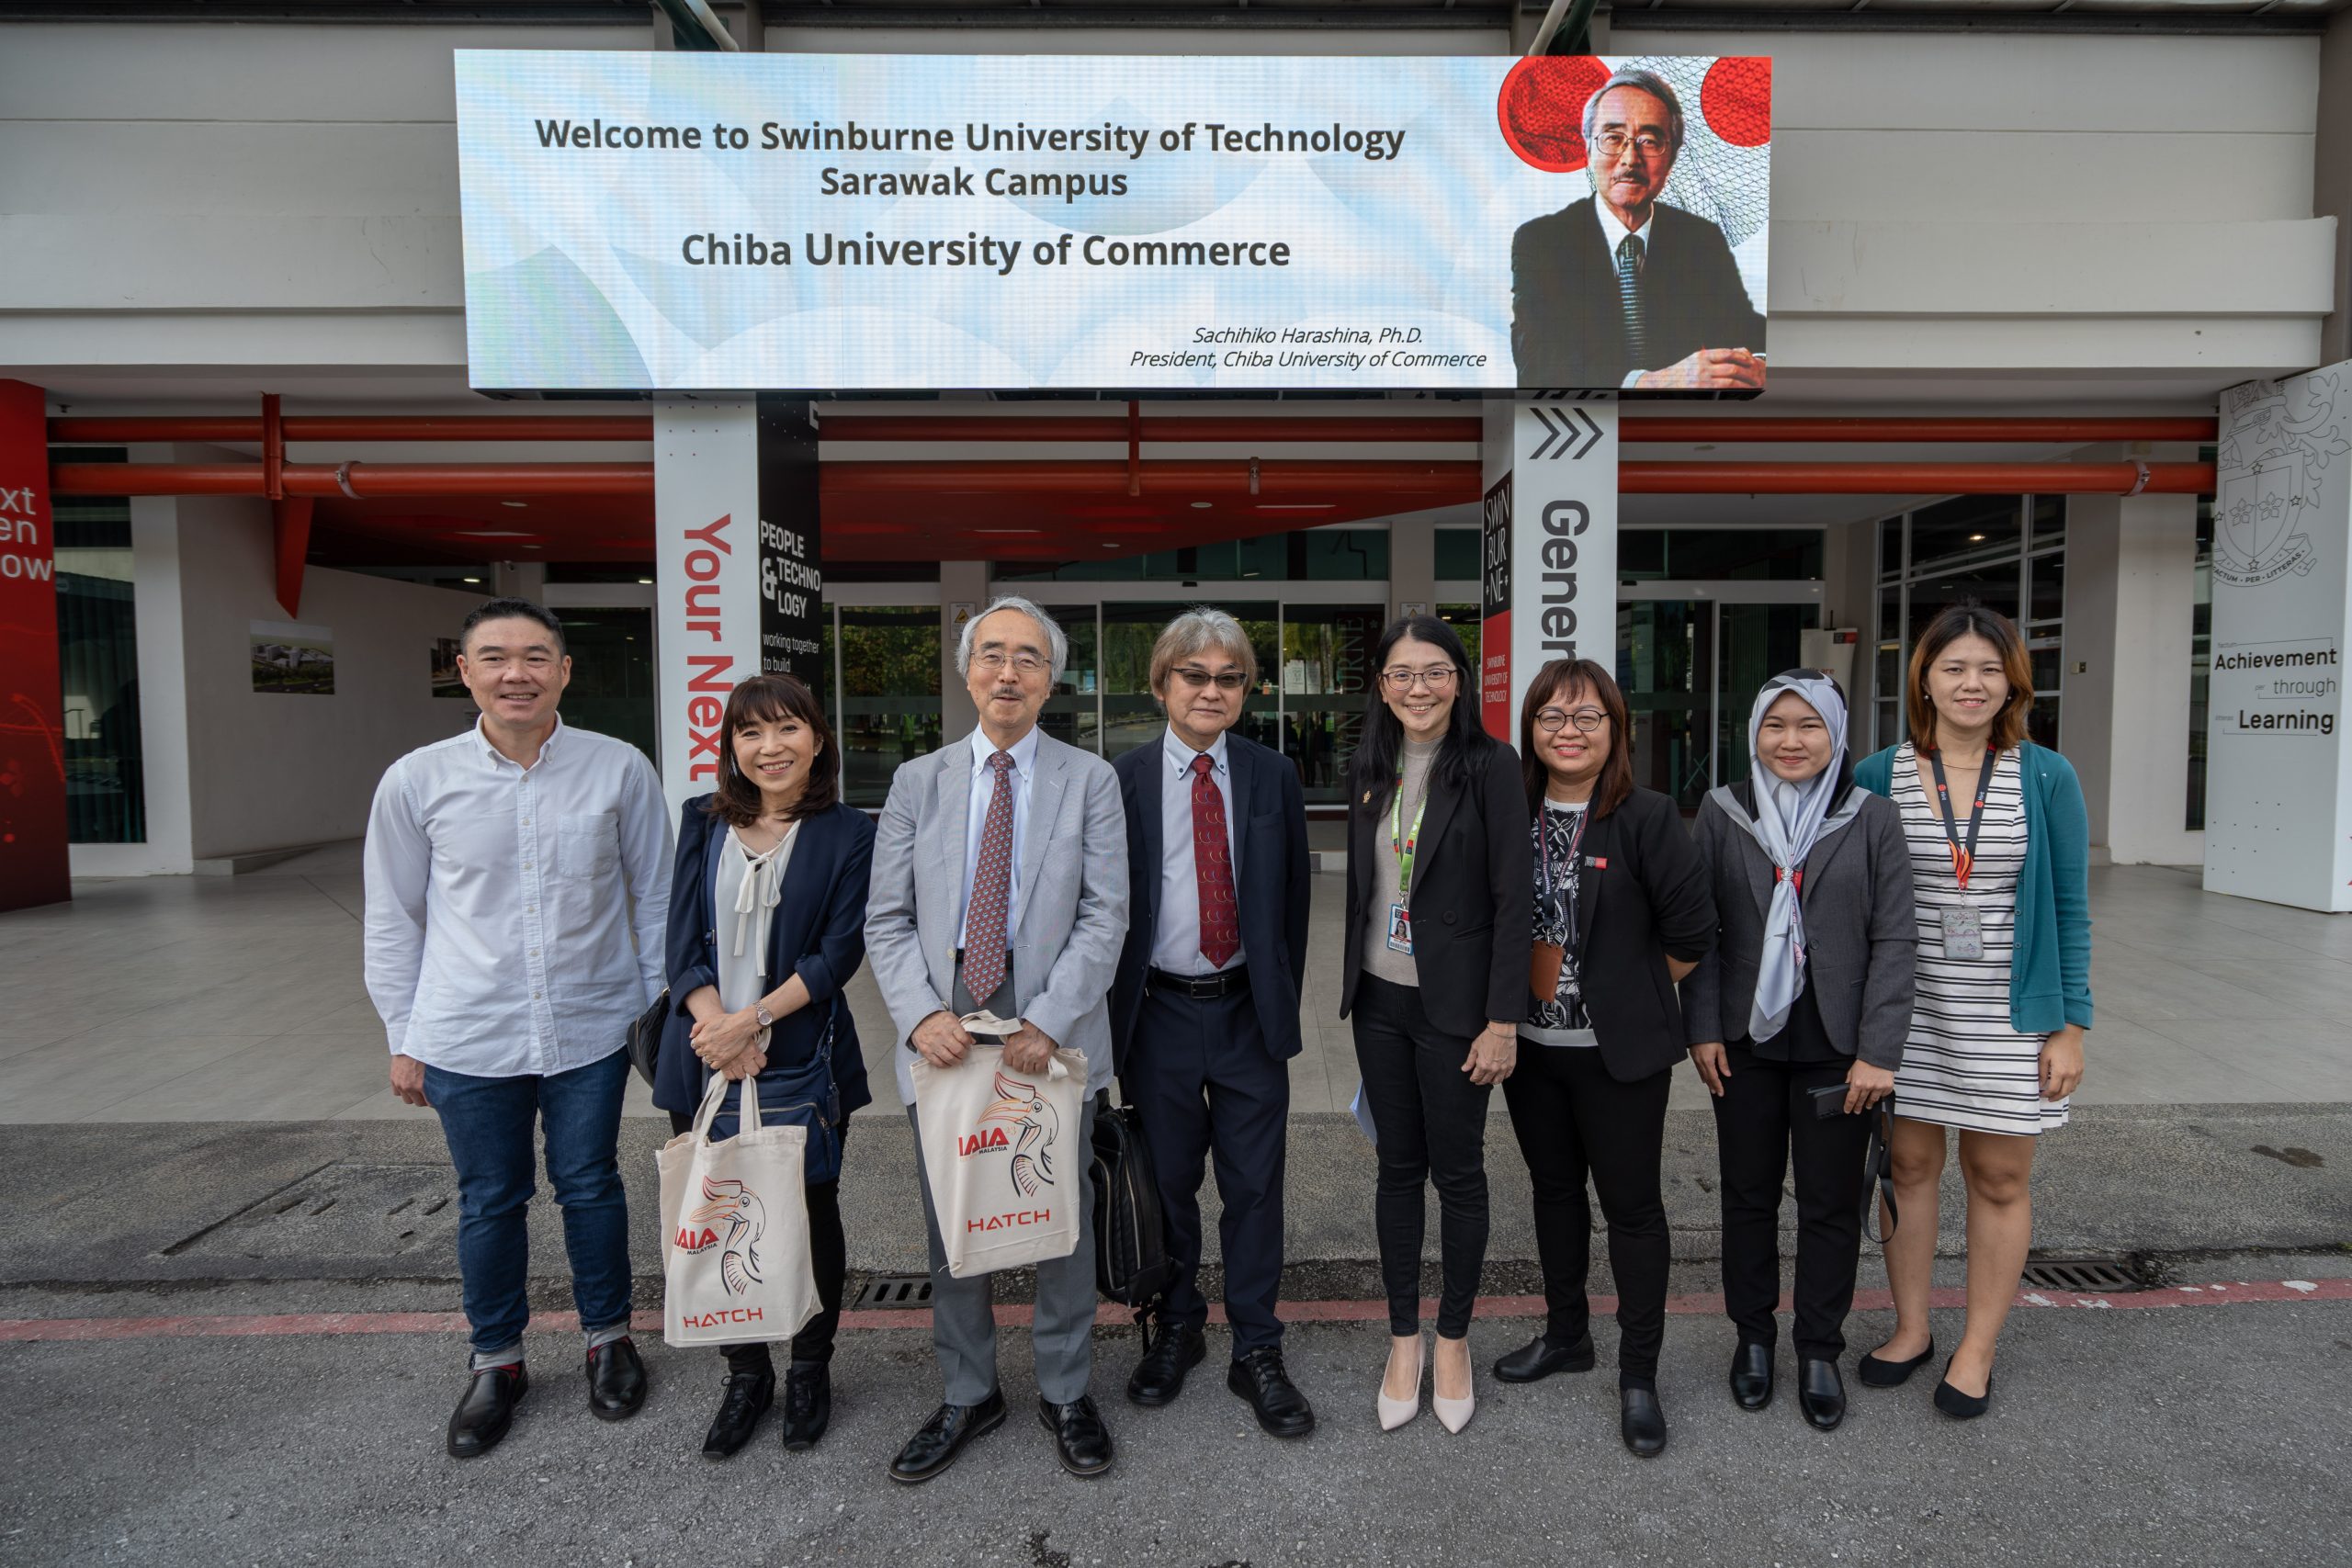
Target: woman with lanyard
(1622, 913)
(1797, 1021)
(2000, 850)
(768, 924)
(1434, 970)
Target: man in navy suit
(1621, 290)
(1204, 1008)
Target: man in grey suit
(1000, 884)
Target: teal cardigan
(2049, 972)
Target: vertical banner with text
(706, 556)
(1549, 557)
(33, 868)
(792, 574)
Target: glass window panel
(1335, 555)
(1890, 724)
(889, 707)
(1457, 555)
(1890, 640)
(2049, 518)
(1326, 674)
(1467, 621)
(2045, 662)
(1131, 716)
(2201, 658)
(1966, 528)
(1890, 548)
(1994, 586)
(2049, 601)
(2041, 723)
(1665, 663)
(98, 655)
(1074, 711)
(1753, 643)
(612, 674)
(1775, 554)
(1641, 553)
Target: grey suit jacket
(1861, 926)
(1073, 916)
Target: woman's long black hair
(1466, 745)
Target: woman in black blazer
(1807, 994)
(1622, 913)
(767, 923)
(1434, 970)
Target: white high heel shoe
(1454, 1413)
(1395, 1412)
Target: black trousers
(1574, 1121)
(1432, 1124)
(828, 1260)
(1764, 1118)
(1199, 1075)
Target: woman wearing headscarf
(1797, 1019)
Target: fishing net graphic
(1725, 170)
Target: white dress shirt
(1612, 234)
(1176, 940)
(976, 817)
(502, 902)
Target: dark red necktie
(1213, 868)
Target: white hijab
(1789, 818)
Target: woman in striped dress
(2000, 856)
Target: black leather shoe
(482, 1415)
(615, 1381)
(1259, 1378)
(1963, 1407)
(1081, 1439)
(747, 1398)
(1876, 1373)
(807, 1405)
(1539, 1358)
(1821, 1393)
(1751, 1376)
(935, 1448)
(1160, 1377)
(1643, 1421)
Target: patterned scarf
(1789, 819)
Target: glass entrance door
(1691, 665)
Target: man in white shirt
(518, 876)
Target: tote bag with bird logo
(1002, 1153)
(735, 1229)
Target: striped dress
(1964, 1065)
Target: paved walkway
(239, 997)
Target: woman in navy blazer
(767, 923)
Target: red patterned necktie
(991, 889)
(1213, 868)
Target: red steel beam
(1913, 478)
(360, 427)
(1656, 428)
(367, 482)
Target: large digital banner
(907, 222)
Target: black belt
(1202, 988)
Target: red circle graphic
(1736, 99)
(1541, 109)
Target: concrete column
(963, 589)
(1849, 598)
(2332, 177)
(520, 580)
(1412, 565)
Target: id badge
(1401, 930)
(1963, 931)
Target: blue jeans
(490, 1124)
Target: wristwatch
(767, 1018)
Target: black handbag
(644, 1040)
(1131, 1262)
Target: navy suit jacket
(1271, 880)
(818, 932)
(1567, 327)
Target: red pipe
(1637, 428)
(1913, 478)
(1164, 475)
(361, 427)
(367, 482)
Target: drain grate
(887, 1291)
(2096, 1276)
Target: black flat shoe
(1081, 1440)
(951, 1427)
(1539, 1358)
(615, 1381)
(1642, 1420)
(1751, 1376)
(1160, 1376)
(747, 1398)
(1963, 1407)
(1821, 1393)
(1876, 1373)
(483, 1414)
(1281, 1410)
(807, 1405)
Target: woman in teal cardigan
(2000, 857)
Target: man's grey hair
(1649, 82)
(1054, 637)
(1196, 631)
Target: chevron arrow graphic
(1592, 441)
(1560, 432)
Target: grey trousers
(963, 1312)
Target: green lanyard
(1400, 842)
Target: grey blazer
(1861, 925)
(1073, 917)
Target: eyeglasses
(1437, 678)
(1551, 720)
(1611, 144)
(994, 662)
(1224, 679)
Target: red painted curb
(39, 1330)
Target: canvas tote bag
(735, 1229)
(1002, 1154)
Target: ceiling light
(473, 579)
(1008, 530)
(645, 582)
(513, 504)
(1296, 505)
(1200, 506)
(491, 534)
(1975, 538)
